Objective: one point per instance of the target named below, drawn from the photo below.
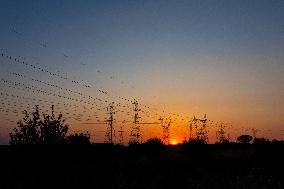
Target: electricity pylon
(109, 121)
(135, 130)
(121, 141)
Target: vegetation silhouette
(223, 141)
(133, 144)
(149, 164)
(37, 128)
(154, 142)
(275, 141)
(195, 141)
(244, 139)
(79, 139)
(261, 141)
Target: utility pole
(220, 134)
(109, 121)
(191, 122)
(166, 130)
(121, 133)
(202, 131)
(192, 128)
(198, 129)
(135, 132)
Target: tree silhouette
(198, 140)
(261, 141)
(81, 139)
(40, 129)
(154, 142)
(244, 139)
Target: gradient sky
(224, 58)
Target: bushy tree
(40, 129)
(80, 139)
(244, 139)
(154, 142)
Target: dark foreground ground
(207, 166)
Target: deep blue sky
(224, 58)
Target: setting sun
(173, 142)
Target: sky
(222, 58)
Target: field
(105, 166)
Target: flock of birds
(81, 102)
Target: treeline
(41, 128)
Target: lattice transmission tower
(135, 134)
(110, 133)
